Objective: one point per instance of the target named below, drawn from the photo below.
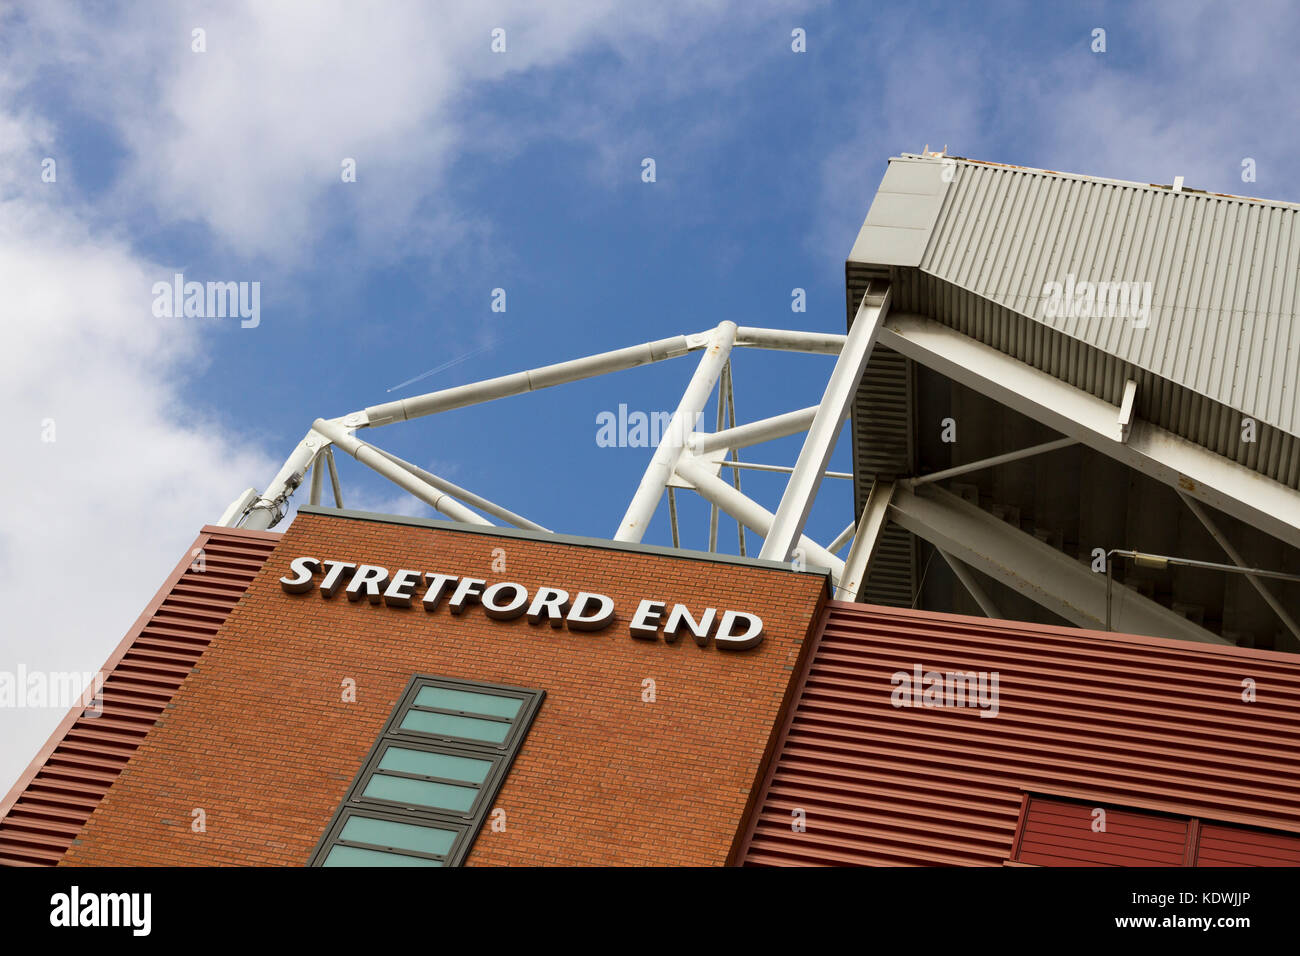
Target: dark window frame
(347, 811)
(521, 721)
(491, 781)
(467, 823)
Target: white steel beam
(317, 473)
(468, 497)
(753, 433)
(374, 460)
(646, 499)
(843, 537)
(672, 516)
(967, 579)
(747, 511)
(779, 469)
(334, 476)
(820, 343)
(529, 381)
(270, 507)
(1046, 576)
(995, 460)
(718, 426)
(1212, 479)
(801, 489)
(235, 510)
(731, 423)
(858, 564)
(1235, 556)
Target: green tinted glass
(355, 856)
(398, 836)
(469, 702)
(452, 726)
(427, 764)
(430, 780)
(441, 796)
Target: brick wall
(259, 738)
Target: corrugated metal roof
(1224, 273)
(1222, 342)
(1194, 416)
(1132, 722)
(51, 802)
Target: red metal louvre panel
(1058, 833)
(54, 798)
(1111, 720)
(1238, 846)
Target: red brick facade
(260, 739)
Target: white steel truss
(684, 458)
(689, 459)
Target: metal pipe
(995, 460)
(468, 497)
(334, 477)
(821, 343)
(374, 460)
(804, 481)
(317, 473)
(722, 411)
(1142, 559)
(646, 499)
(1162, 561)
(531, 380)
(732, 453)
(270, 507)
(783, 469)
(753, 433)
(749, 512)
(870, 527)
(842, 538)
(237, 508)
(672, 517)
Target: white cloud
(248, 137)
(96, 518)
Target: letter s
(304, 570)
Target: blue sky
(475, 170)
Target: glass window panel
(402, 790)
(400, 836)
(439, 819)
(451, 725)
(356, 856)
(450, 766)
(449, 699)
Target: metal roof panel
(1222, 270)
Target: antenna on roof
(938, 153)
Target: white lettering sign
(584, 611)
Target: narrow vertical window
(427, 786)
